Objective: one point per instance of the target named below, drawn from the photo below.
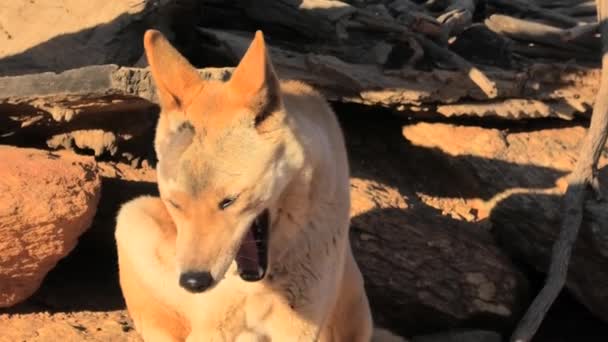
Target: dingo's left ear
(254, 79)
(177, 81)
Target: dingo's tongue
(247, 259)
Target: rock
(522, 177)
(69, 34)
(46, 202)
(97, 140)
(461, 336)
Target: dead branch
(544, 51)
(457, 17)
(531, 8)
(583, 177)
(559, 3)
(476, 75)
(579, 31)
(582, 9)
(531, 31)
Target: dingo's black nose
(195, 281)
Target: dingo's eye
(226, 202)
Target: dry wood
(531, 31)
(538, 90)
(311, 18)
(583, 9)
(596, 215)
(544, 51)
(559, 3)
(475, 74)
(583, 176)
(531, 8)
(457, 17)
(579, 31)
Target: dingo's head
(222, 161)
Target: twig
(583, 176)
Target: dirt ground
(80, 299)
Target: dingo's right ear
(177, 81)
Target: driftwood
(530, 241)
(422, 293)
(583, 176)
(550, 90)
(535, 32)
(414, 58)
(531, 8)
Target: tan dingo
(249, 238)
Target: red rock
(46, 202)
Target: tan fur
(278, 146)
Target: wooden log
(579, 10)
(475, 74)
(583, 177)
(551, 90)
(310, 18)
(536, 51)
(530, 31)
(559, 3)
(530, 240)
(392, 229)
(579, 31)
(529, 7)
(456, 18)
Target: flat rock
(46, 202)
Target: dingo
(249, 238)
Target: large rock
(68, 34)
(523, 175)
(46, 202)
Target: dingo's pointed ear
(177, 81)
(254, 79)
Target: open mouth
(252, 256)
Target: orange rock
(46, 202)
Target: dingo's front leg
(351, 319)
(145, 235)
